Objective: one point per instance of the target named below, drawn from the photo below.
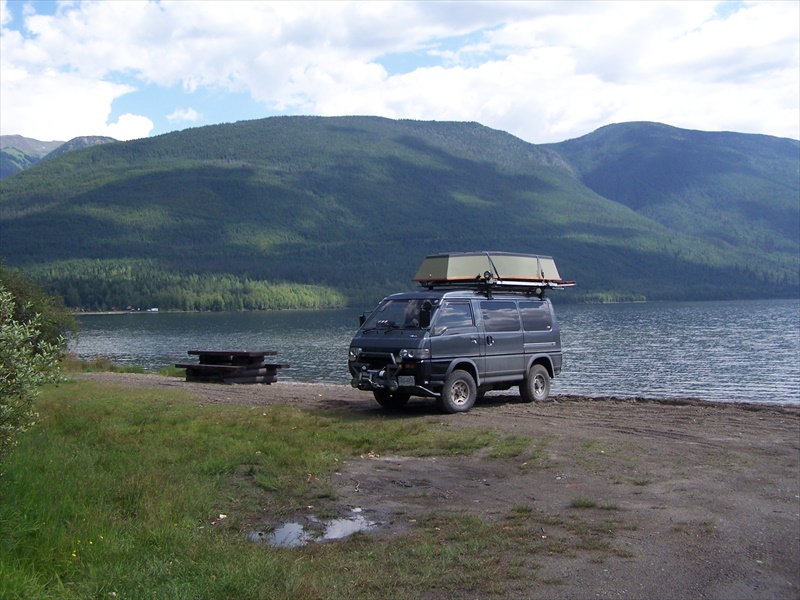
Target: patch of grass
(730, 460)
(708, 527)
(148, 493)
(701, 529)
(73, 364)
(172, 371)
(521, 512)
(537, 455)
(572, 534)
(605, 526)
(593, 453)
(581, 502)
(510, 447)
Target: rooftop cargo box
(502, 268)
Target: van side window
(453, 315)
(500, 316)
(535, 316)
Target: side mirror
(361, 318)
(425, 315)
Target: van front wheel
(459, 392)
(536, 386)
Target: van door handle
(474, 340)
(489, 340)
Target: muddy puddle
(294, 534)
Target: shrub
(27, 361)
(30, 300)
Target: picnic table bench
(232, 366)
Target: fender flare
(540, 359)
(460, 363)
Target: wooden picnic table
(232, 366)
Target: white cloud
(5, 14)
(44, 98)
(129, 127)
(182, 115)
(544, 71)
(51, 105)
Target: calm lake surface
(743, 351)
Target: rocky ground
(703, 498)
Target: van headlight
(355, 353)
(415, 353)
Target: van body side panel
(503, 340)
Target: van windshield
(395, 314)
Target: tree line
(119, 285)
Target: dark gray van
(461, 337)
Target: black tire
(391, 400)
(536, 386)
(459, 393)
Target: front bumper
(380, 371)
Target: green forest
(313, 212)
(139, 285)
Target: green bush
(33, 328)
(31, 301)
(27, 361)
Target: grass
(695, 529)
(72, 364)
(172, 371)
(581, 502)
(118, 492)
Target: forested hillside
(84, 141)
(733, 190)
(317, 212)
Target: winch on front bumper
(381, 371)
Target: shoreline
(76, 313)
(346, 390)
(676, 401)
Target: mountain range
(332, 211)
(17, 153)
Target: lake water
(743, 351)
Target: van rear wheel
(389, 400)
(536, 386)
(459, 393)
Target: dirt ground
(704, 498)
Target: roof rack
(485, 271)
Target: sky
(542, 71)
